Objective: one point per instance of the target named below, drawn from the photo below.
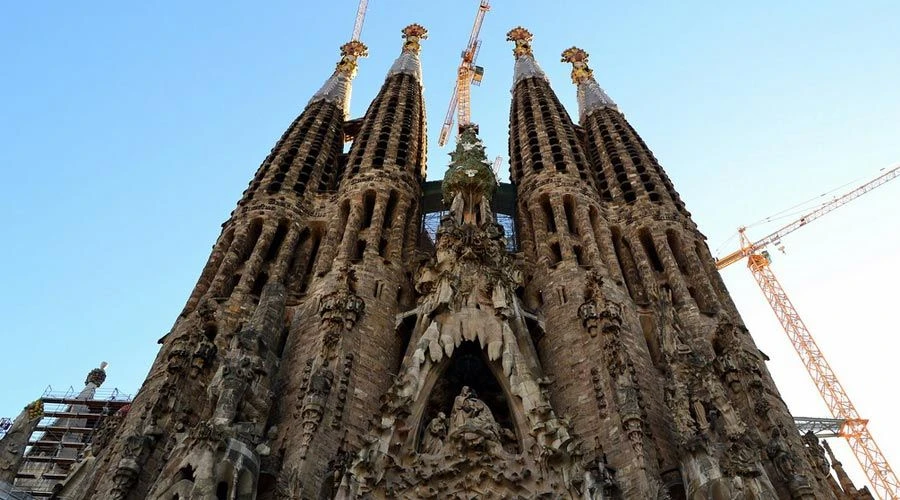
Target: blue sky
(127, 133)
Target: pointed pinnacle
(413, 34)
(350, 52)
(579, 59)
(522, 38)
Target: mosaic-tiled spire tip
(526, 66)
(412, 35)
(350, 53)
(591, 96)
(579, 59)
(522, 38)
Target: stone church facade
(331, 349)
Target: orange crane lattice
(854, 428)
(467, 74)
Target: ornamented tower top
(408, 62)
(526, 66)
(337, 88)
(307, 157)
(625, 169)
(542, 136)
(590, 96)
(392, 134)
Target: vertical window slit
(569, 208)
(650, 250)
(548, 214)
(368, 209)
(311, 262)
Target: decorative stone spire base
(337, 88)
(526, 66)
(590, 96)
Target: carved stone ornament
(341, 308)
(468, 297)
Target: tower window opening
(628, 266)
(390, 207)
(261, 279)
(549, 219)
(579, 258)
(311, 261)
(569, 209)
(649, 329)
(359, 250)
(222, 491)
(555, 253)
(210, 331)
(378, 159)
(674, 243)
(368, 209)
(405, 332)
(295, 274)
(650, 250)
(697, 299)
(277, 242)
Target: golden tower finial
(350, 52)
(579, 59)
(522, 38)
(413, 34)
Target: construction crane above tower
(851, 425)
(360, 17)
(467, 75)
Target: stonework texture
(330, 350)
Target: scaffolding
(503, 204)
(58, 441)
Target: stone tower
(331, 349)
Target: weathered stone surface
(329, 351)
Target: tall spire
(337, 88)
(408, 62)
(392, 133)
(526, 66)
(590, 96)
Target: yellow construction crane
(467, 74)
(852, 426)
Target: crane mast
(467, 74)
(847, 420)
(360, 17)
(853, 428)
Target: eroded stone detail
(609, 330)
(468, 299)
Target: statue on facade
(779, 452)
(472, 423)
(433, 440)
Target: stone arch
(513, 416)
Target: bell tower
(342, 350)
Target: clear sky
(128, 132)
